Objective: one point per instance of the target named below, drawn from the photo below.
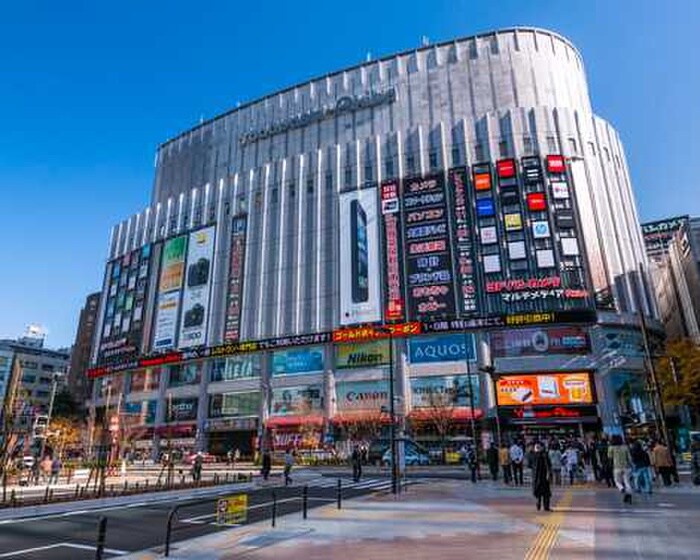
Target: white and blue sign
(485, 208)
(301, 360)
(441, 348)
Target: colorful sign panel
(393, 250)
(429, 279)
(185, 374)
(195, 299)
(172, 276)
(297, 401)
(544, 389)
(235, 279)
(360, 290)
(301, 360)
(140, 413)
(536, 342)
(464, 245)
(441, 348)
(363, 355)
(362, 395)
(369, 332)
(232, 510)
(444, 391)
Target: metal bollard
(146, 487)
(13, 497)
(4, 487)
(340, 494)
(226, 478)
(274, 508)
(305, 501)
(168, 530)
(46, 494)
(77, 491)
(101, 537)
(50, 495)
(126, 486)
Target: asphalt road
(139, 525)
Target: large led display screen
(429, 275)
(360, 289)
(198, 279)
(544, 389)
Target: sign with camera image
(169, 287)
(195, 299)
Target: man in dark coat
(492, 460)
(266, 464)
(541, 477)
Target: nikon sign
(346, 104)
(365, 355)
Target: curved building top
(473, 80)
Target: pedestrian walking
(356, 459)
(197, 467)
(663, 462)
(570, 459)
(472, 461)
(604, 462)
(492, 460)
(621, 461)
(46, 463)
(266, 466)
(541, 477)
(504, 461)
(516, 463)
(55, 470)
(555, 461)
(640, 468)
(288, 464)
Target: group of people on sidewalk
(630, 467)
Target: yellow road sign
(232, 510)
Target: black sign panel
(429, 277)
(465, 272)
(532, 169)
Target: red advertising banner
(371, 332)
(390, 195)
(556, 164)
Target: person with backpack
(516, 461)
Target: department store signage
(427, 239)
(552, 413)
(362, 395)
(464, 246)
(235, 279)
(301, 360)
(393, 263)
(443, 392)
(376, 332)
(441, 348)
(346, 104)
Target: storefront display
(545, 389)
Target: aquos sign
(346, 104)
(441, 348)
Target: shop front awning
(456, 414)
(361, 416)
(315, 420)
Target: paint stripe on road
(16, 553)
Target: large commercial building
(676, 276)
(79, 385)
(426, 213)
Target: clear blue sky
(88, 89)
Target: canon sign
(345, 104)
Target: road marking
(547, 536)
(16, 553)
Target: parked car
(415, 454)
(376, 451)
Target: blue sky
(88, 89)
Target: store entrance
(222, 442)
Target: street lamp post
(471, 395)
(491, 371)
(392, 411)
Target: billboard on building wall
(172, 274)
(444, 390)
(537, 342)
(236, 271)
(390, 193)
(301, 360)
(362, 355)
(544, 389)
(427, 239)
(658, 235)
(463, 232)
(362, 395)
(197, 288)
(291, 401)
(125, 306)
(441, 348)
(360, 290)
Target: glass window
(234, 404)
(185, 374)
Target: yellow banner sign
(232, 510)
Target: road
(141, 525)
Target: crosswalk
(374, 484)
